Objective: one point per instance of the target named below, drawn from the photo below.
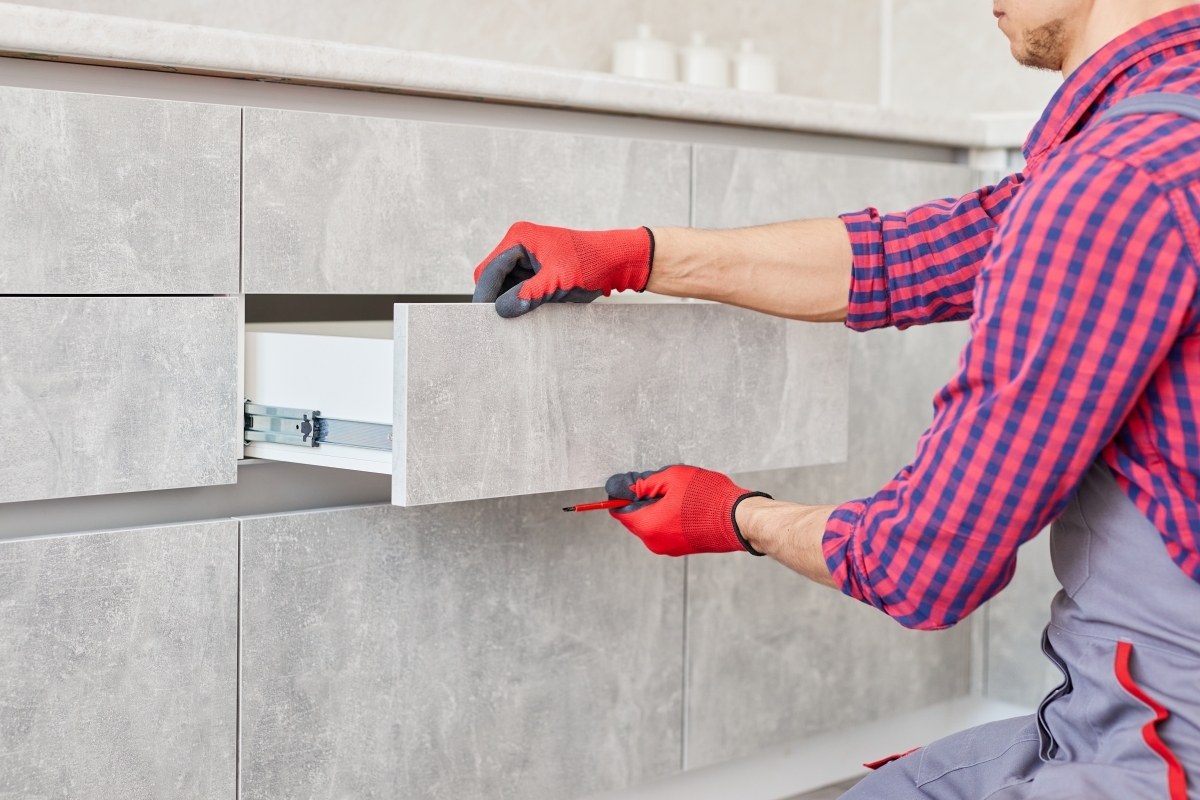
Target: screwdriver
(607, 504)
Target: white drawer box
(559, 399)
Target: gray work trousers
(1125, 723)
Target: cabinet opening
(269, 308)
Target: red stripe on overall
(1176, 777)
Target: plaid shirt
(1079, 276)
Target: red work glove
(680, 511)
(536, 264)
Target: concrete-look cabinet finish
(566, 396)
(741, 186)
(1017, 670)
(493, 649)
(117, 195)
(117, 394)
(774, 658)
(119, 671)
(345, 204)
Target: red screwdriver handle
(604, 506)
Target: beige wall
(949, 55)
(946, 54)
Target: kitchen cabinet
(497, 648)
(349, 204)
(742, 186)
(771, 660)
(558, 399)
(117, 394)
(118, 674)
(117, 195)
(774, 659)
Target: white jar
(755, 72)
(644, 57)
(704, 65)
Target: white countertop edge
(104, 39)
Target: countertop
(30, 31)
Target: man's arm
(790, 533)
(869, 269)
(1074, 320)
(800, 270)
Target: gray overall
(1124, 631)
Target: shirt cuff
(843, 558)
(868, 307)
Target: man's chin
(1043, 47)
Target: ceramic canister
(644, 57)
(704, 65)
(754, 71)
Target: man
(1077, 401)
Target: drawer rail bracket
(307, 428)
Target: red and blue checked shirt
(1079, 276)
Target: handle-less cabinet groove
(346, 204)
(743, 186)
(117, 195)
(561, 398)
(117, 394)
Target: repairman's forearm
(799, 270)
(790, 533)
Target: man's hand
(536, 264)
(680, 511)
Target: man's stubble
(1044, 47)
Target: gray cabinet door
(118, 670)
(117, 195)
(472, 650)
(741, 186)
(772, 658)
(342, 204)
(568, 395)
(117, 394)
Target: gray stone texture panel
(773, 657)
(741, 186)
(1017, 671)
(566, 396)
(117, 195)
(117, 394)
(344, 204)
(493, 649)
(118, 674)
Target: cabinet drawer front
(111, 195)
(119, 665)
(450, 643)
(117, 394)
(740, 186)
(568, 395)
(342, 204)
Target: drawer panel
(450, 643)
(117, 394)
(564, 397)
(742, 186)
(118, 674)
(344, 204)
(112, 195)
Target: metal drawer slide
(307, 428)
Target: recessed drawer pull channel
(306, 428)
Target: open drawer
(562, 398)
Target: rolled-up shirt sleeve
(1076, 307)
(919, 266)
